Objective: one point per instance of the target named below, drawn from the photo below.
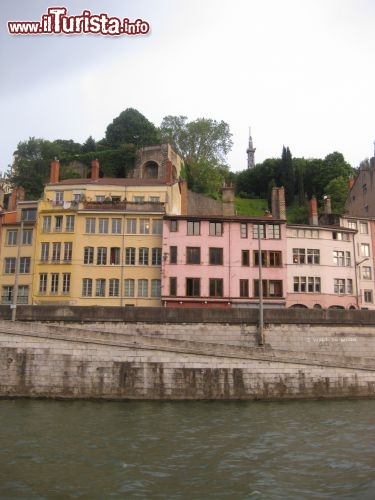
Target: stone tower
(250, 152)
(158, 162)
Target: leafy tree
(205, 177)
(200, 140)
(337, 188)
(89, 145)
(131, 127)
(31, 167)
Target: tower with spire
(250, 152)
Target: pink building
(214, 261)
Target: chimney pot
(95, 170)
(54, 171)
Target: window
(114, 287)
(348, 259)
(244, 288)
(58, 223)
(143, 256)
(245, 258)
(101, 256)
(43, 283)
(313, 256)
(130, 256)
(338, 235)
(363, 227)
(173, 255)
(10, 265)
(100, 287)
(367, 295)
(216, 256)
(216, 287)
(87, 287)
(142, 288)
(90, 225)
(56, 251)
(216, 229)
(68, 250)
(144, 226)
(193, 255)
(258, 231)
(155, 199)
(271, 288)
(338, 258)
(28, 214)
(11, 237)
(299, 256)
(157, 226)
(365, 250)
(77, 197)
(173, 225)
(23, 294)
(193, 228)
(131, 226)
(100, 198)
(69, 223)
(7, 294)
(47, 221)
(44, 252)
(27, 236)
(273, 231)
(352, 224)
(129, 288)
(269, 258)
(116, 226)
(193, 287)
(156, 257)
(243, 230)
(88, 256)
(103, 226)
(155, 288)
(138, 199)
(366, 272)
(59, 197)
(54, 282)
(114, 256)
(25, 265)
(341, 286)
(310, 284)
(173, 286)
(66, 283)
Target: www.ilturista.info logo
(57, 22)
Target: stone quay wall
(186, 354)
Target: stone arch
(150, 170)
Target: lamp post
(260, 288)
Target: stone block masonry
(143, 360)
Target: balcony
(126, 206)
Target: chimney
(313, 212)
(350, 183)
(228, 200)
(94, 170)
(183, 192)
(327, 205)
(2, 193)
(278, 203)
(54, 171)
(18, 194)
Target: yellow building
(99, 240)
(17, 243)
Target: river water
(187, 450)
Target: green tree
(131, 127)
(337, 189)
(287, 176)
(89, 145)
(31, 167)
(200, 140)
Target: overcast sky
(300, 72)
